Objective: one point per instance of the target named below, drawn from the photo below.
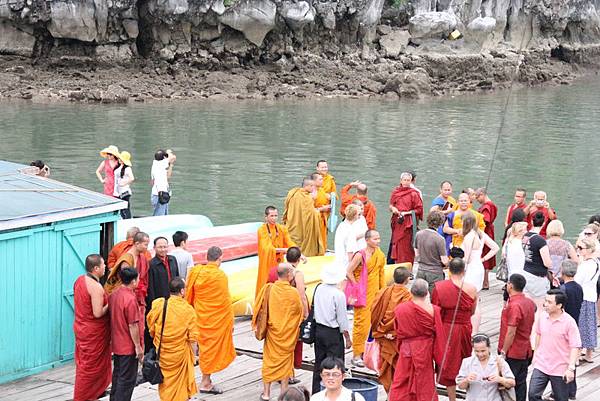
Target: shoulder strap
(162, 330)
(312, 303)
(353, 398)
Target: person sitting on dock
(382, 323)
(207, 290)
(369, 209)
(323, 205)
(332, 373)
(175, 338)
(273, 242)
(93, 363)
(283, 325)
(303, 220)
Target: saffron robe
(176, 354)
(547, 219)
(141, 265)
(362, 315)
(321, 200)
(445, 295)
(119, 249)
(370, 211)
(420, 341)
(270, 237)
(382, 323)
(455, 221)
(283, 327)
(404, 199)
(207, 290)
(489, 211)
(303, 222)
(329, 184)
(93, 363)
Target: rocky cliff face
(260, 30)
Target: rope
(496, 146)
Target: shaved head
(307, 182)
(361, 189)
(284, 269)
(132, 232)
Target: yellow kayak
(242, 283)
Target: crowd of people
(427, 332)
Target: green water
(233, 159)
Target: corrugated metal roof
(27, 199)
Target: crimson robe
(445, 295)
(511, 210)
(404, 199)
(420, 341)
(489, 211)
(93, 365)
(532, 213)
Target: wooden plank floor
(242, 380)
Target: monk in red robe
(520, 203)
(93, 365)
(403, 202)
(539, 204)
(420, 339)
(369, 209)
(489, 211)
(447, 294)
(121, 247)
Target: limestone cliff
(265, 30)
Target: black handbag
(308, 326)
(164, 197)
(151, 366)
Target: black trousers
(328, 342)
(125, 368)
(519, 369)
(126, 213)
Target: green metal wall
(38, 267)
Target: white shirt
(119, 187)
(360, 227)
(344, 243)
(346, 395)
(515, 257)
(158, 174)
(586, 277)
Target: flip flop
(212, 390)
(262, 398)
(294, 380)
(584, 360)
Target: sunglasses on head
(580, 248)
(588, 233)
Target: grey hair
(405, 175)
(420, 288)
(540, 193)
(568, 268)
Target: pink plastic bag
(371, 355)
(356, 293)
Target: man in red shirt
(520, 203)
(126, 328)
(515, 330)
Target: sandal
(294, 380)
(262, 398)
(213, 390)
(358, 362)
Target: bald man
(369, 209)
(303, 220)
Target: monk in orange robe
(328, 180)
(404, 202)
(323, 205)
(453, 224)
(375, 263)
(93, 364)
(382, 323)
(121, 247)
(208, 292)
(457, 300)
(302, 220)
(176, 353)
(283, 326)
(369, 209)
(273, 242)
(135, 257)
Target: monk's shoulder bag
(151, 366)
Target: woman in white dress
(472, 245)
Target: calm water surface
(233, 159)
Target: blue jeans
(538, 382)
(159, 209)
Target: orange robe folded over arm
(207, 290)
(270, 237)
(382, 323)
(320, 201)
(284, 318)
(303, 222)
(176, 354)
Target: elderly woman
(559, 248)
(406, 206)
(482, 374)
(587, 277)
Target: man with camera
(162, 169)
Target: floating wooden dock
(241, 381)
